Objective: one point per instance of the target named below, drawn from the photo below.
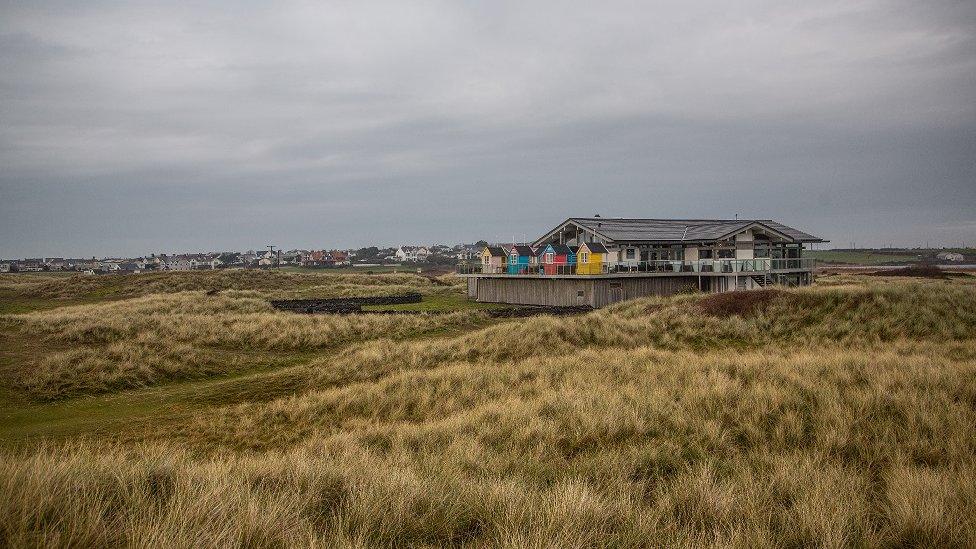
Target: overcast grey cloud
(130, 127)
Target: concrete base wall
(574, 291)
(602, 291)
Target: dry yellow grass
(147, 340)
(645, 447)
(833, 417)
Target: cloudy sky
(130, 127)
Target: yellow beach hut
(592, 259)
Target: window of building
(584, 257)
(549, 257)
(631, 253)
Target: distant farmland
(861, 257)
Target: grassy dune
(253, 282)
(149, 340)
(835, 416)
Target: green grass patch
(120, 414)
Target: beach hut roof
(597, 248)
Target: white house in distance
(412, 253)
(950, 256)
(465, 252)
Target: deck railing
(731, 266)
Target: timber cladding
(574, 291)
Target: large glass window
(761, 249)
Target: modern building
(629, 258)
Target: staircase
(762, 279)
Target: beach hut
(521, 259)
(557, 259)
(592, 258)
(494, 260)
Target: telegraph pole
(271, 249)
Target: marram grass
(828, 417)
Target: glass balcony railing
(731, 266)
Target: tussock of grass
(121, 365)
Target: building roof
(597, 248)
(558, 249)
(678, 230)
(496, 251)
(523, 250)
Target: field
(180, 409)
(861, 257)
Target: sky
(129, 128)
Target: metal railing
(757, 265)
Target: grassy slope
(834, 416)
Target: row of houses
(320, 258)
(39, 264)
(588, 258)
(249, 259)
(162, 262)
